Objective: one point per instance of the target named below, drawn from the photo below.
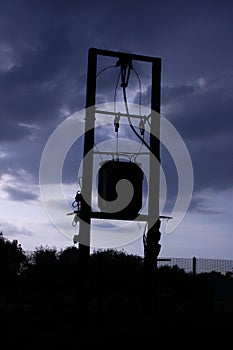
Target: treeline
(47, 268)
(42, 292)
(110, 271)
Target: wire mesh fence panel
(202, 265)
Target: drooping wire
(140, 95)
(104, 69)
(140, 90)
(114, 104)
(140, 108)
(117, 141)
(115, 92)
(126, 106)
(129, 120)
(116, 117)
(97, 75)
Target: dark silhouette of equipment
(77, 203)
(109, 175)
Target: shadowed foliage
(40, 292)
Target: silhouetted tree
(43, 267)
(12, 259)
(114, 271)
(68, 260)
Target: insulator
(142, 126)
(116, 123)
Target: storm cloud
(43, 69)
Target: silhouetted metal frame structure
(86, 214)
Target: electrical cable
(126, 105)
(97, 75)
(104, 69)
(117, 147)
(140, 109)
(140, 95)
(140, 90)
(116, 116)
(129, 120)
(115, 92)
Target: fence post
(194, 266)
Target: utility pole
(85, 211)
(151, 239)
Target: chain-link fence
(199, 265)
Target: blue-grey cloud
(17, 194)
(174, 93)
(8, 229)
(43, 70)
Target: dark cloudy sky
(43, 65)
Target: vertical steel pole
(194, 266)
(87, 173)
(154, 174)
(151, 244)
